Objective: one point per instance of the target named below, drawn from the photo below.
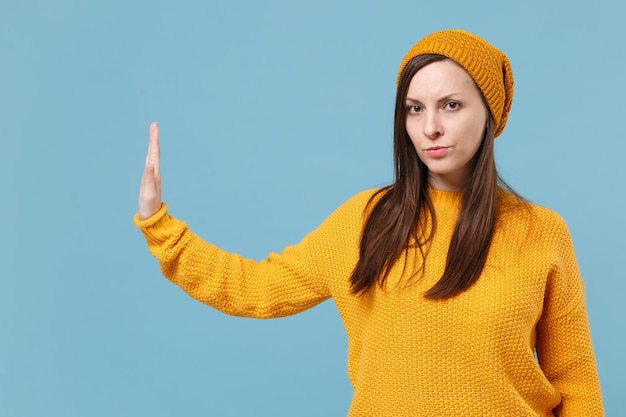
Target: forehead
(442, 78)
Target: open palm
(150, 189)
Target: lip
(437, 151)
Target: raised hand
(150, 189)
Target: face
(446, 121)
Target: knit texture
(488, 66)
(471, 355)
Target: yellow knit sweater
(517, 343)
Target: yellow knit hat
(488, 66)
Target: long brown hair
(403, 210)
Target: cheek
(414, 144)
(413, 141)
(410, 131)
(476, 134)
(477, 140)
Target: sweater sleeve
(564, 347)
(281, 285)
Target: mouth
(437, 151)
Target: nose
(432, 125)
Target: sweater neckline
(446, 199)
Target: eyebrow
(443, 99)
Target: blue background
(272, 113)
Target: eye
(453, 105)
(413, 109)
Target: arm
(564, 345)
(280, 285)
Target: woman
(458, 297)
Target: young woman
(458, 297)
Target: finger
(149, 153)
(154, 153)
(149, 195)
(148, 172)
(148, 182)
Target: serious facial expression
(446, 120)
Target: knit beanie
(488, 66)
